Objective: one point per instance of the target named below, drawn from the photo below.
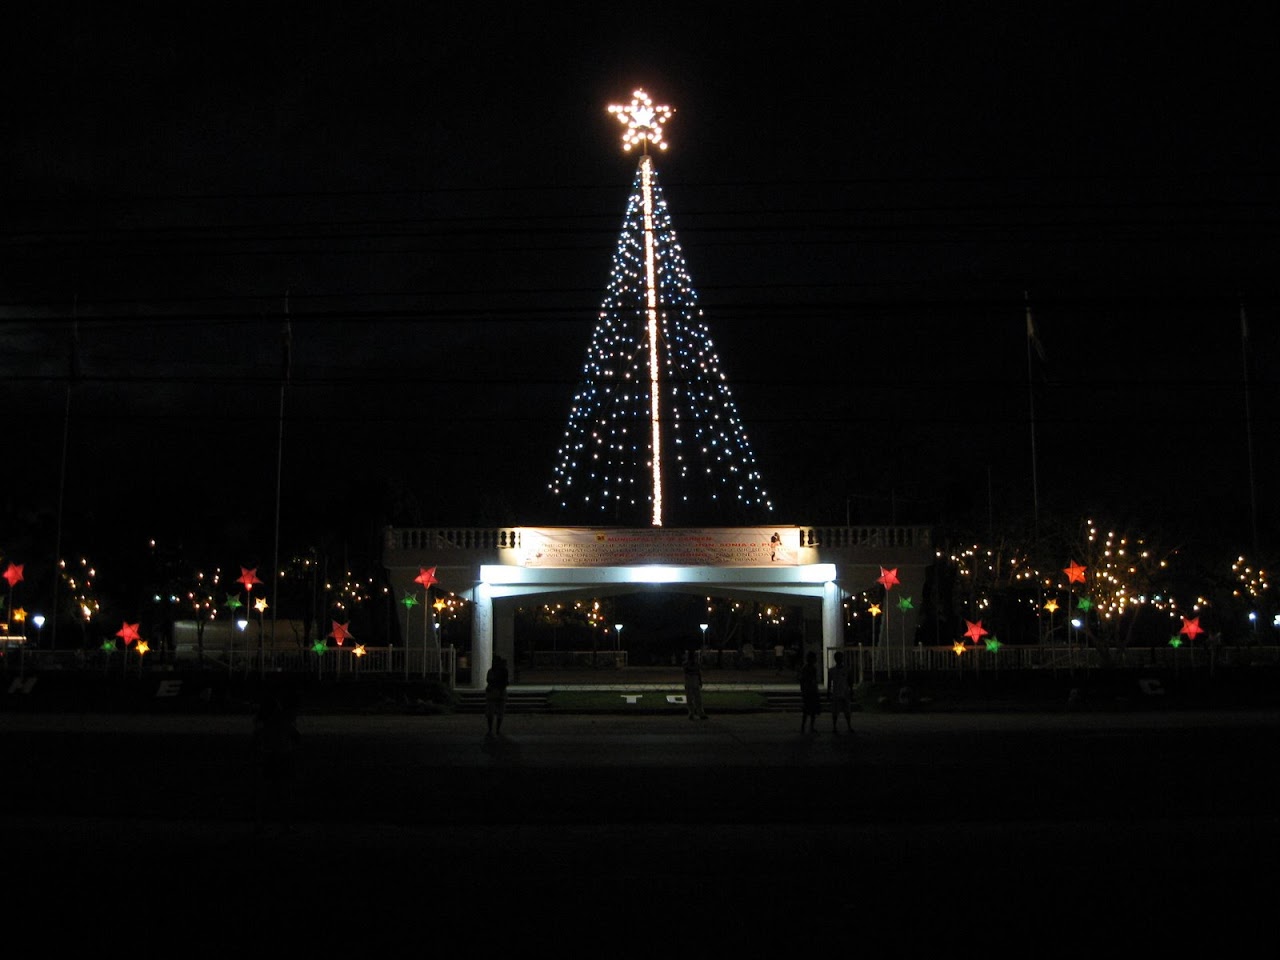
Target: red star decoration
(340, 632)
(1075, 573)
(888, 578)
(1191, 628)
(128, 632)
(426, 577)
(13, 574)
(974, 631)
(248, 577)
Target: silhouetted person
(810, 697)
(840, 690)
(693, 686)
(495, 695)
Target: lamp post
(241, 625)
(703, 628)
(38, 620)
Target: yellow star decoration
(142, 647)
(874, 609)
(19, 614)
(958, 647)
(439, 605)
(359, 651)
(1051, 606)
(643, 120)
(260, 604)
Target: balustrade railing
(508, 538)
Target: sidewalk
(589, 827)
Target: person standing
(693, 686)
(840, 692)
(495, 695)
(810, 697)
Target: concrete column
(832, 623)
(481, 635)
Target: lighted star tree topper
(654, 435)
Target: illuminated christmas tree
(654, 436)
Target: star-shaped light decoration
(359, 651)
(958, 647)
(426, 576)
(1074, 572)
(643, 121)
(340, 632)
(109, 646)
(439, 605)
(1051, 606)
(319, 647)
(1085, 604)
(260, 604)
(888, 578)
(128, 633)
(142, 647)
(233, 602)
(874, 609)
(248, 578)
(992, 644)
(13, 573)
(1175, 642)
(409, 601)
(974, 631)
(19, 614)
(905, 604)
(1191, 628)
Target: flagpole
(1031, 401)
(284, 383)
(1248, 426)
(73, 374)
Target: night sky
(432, 201)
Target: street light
(617, 636)
(38, 620)
(703, 628)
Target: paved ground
(1094, 828)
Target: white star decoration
(643, 120)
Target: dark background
(431, 199)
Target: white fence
(870, 661)
(414, 663)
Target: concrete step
(535, 701)
(472, 701)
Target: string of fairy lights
(653, 421)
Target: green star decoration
(1175, 642)
(993, 644)
(409, 601)
(109, 646)
(319, 647)
(233, 602)
(904, 604)
(1085, 604)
